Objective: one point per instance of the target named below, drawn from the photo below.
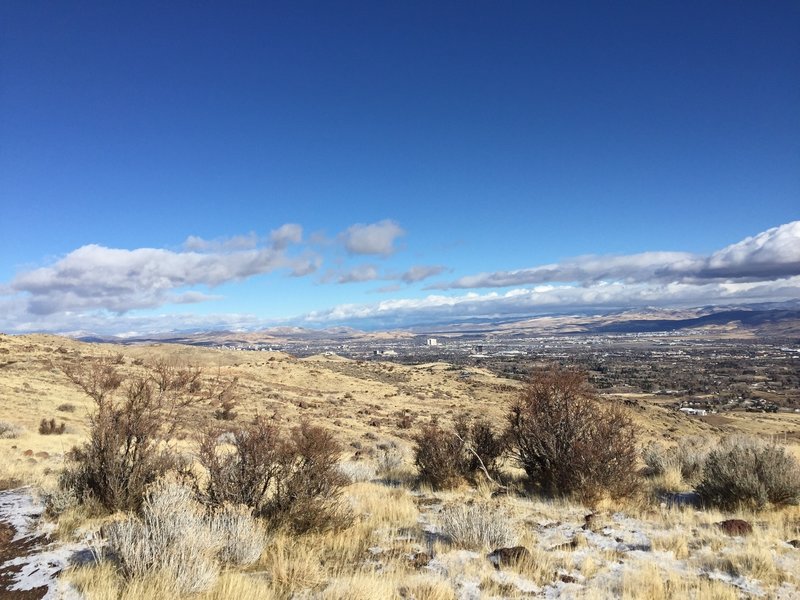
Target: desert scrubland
(382, 526)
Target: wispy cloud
(376, 238)
(371, 272)
(422, 272)
(771, 254)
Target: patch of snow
(746, 585)
(41, 566)
(519, 582)
(19, 509)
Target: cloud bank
(97, 288)
(119, 280)
(772, 254)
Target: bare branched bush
(486, 447)
(749, 473)
(224, 394)
(476, 526)
(242, 463)
(50, 427)
(440, 457)
(308, 492)
(291, 480)
(445, 457)
(568, 442)
(129, 434)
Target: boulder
(502, 557)
(735, 527)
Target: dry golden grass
(359, 402)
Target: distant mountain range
(747, 321)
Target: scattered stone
(28, 453)
(508, 556)
(794, 543)
(567, 579)
(735, 527)
(42, 454)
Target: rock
(567, 579)
(28, 453)
(420, 560)
(587, 521)
(794, 543)
(735, 527)
(508, 556)
(42, 454)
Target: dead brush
(292, 479)
(476, 526)
(568, 442)
(50, 427)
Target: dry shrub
(688, 458)
(10, 430)
(170, 537)
(50, 427)
(749, 473)
(175, 537)
(242, 537)
(224, 394)
(440, 457)
(242, 464)
(476, 526)
(291, 480)
(128, 435)
(389, 461)
(568, 442)
(357, 471)
(445, 457)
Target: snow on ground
(39, 565)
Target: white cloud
(119, 280)
(526, 301)
(358, 274)
(771, 254)
(290, 233)
(376, 238)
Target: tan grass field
(637, 549)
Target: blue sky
(244, 164)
